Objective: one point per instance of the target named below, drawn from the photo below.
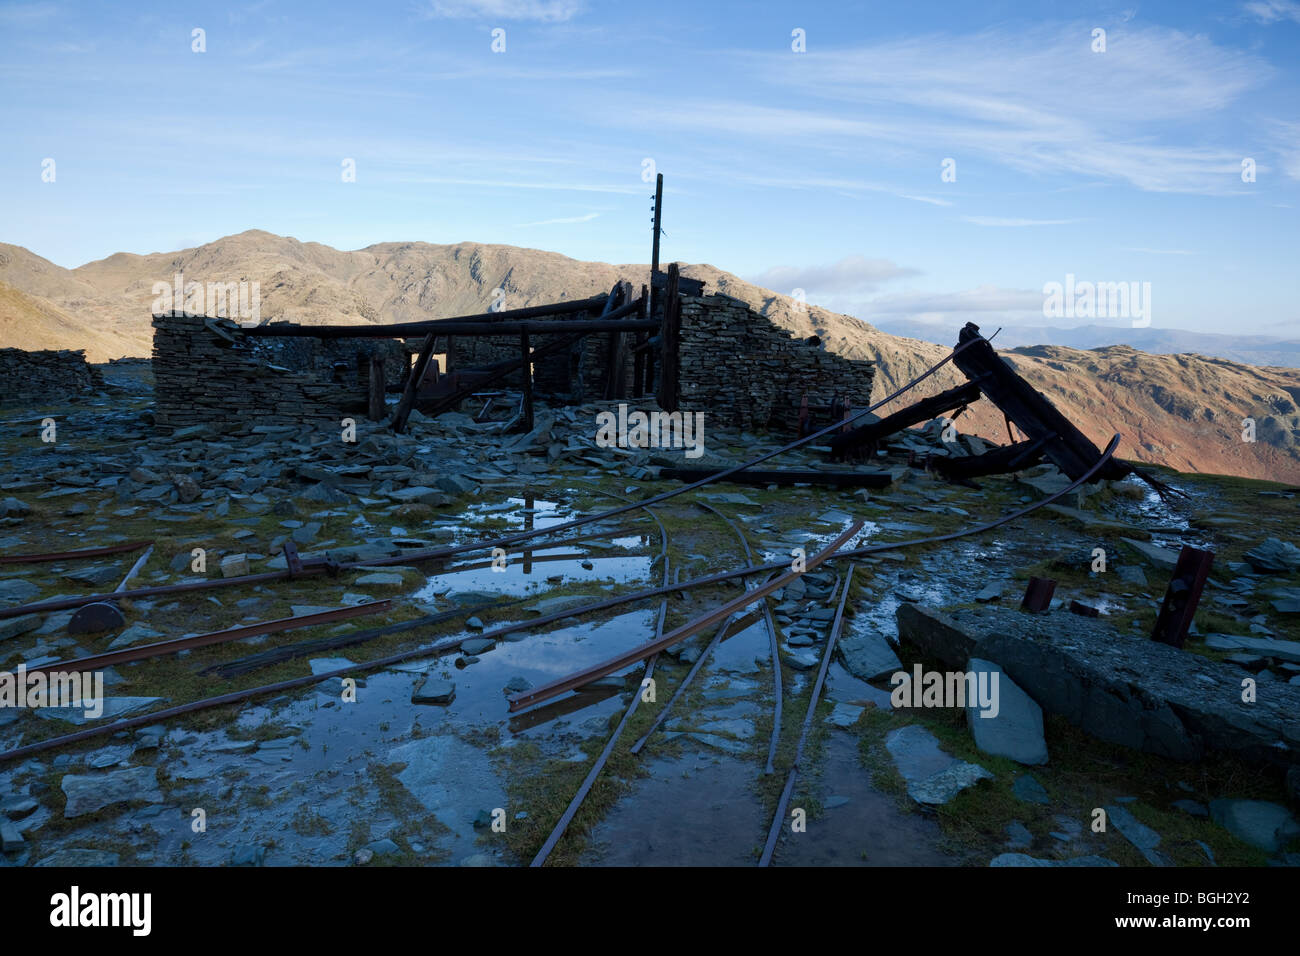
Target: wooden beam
(924, 410)
(1063, 444)
(669, 336)
(526, 358)
(413, 383)
(375, 406)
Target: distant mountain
(1184, 411)
(1247, 349)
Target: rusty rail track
(596, 671)
(451, 644)
(73, 555)
(505, 541)
(176, 645)
(779, 817)
(778, 691)
(562, 825)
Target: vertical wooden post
(638, 360)
(375, 411)
(658, 221)
(669, 337)
(526, 352)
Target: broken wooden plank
(1063, 444)
(927, 408)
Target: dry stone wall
(202, 379)
(46, 375)
(741, 369)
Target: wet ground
(338, 775)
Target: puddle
(528, 572)
(866, 829)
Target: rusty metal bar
(419, 556)
(453, 643)
(73, 555)
(163, 648)
(1182, 596)
(575, 804)
(778, 818)
(618, 662)
(778, 685)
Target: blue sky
(819, 170)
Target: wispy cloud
(1036, 101)
(18, 14)
(547, 11)
(1159, 252)
(852, 274)
(558, 222)
(1271, 11)
(1016, 223)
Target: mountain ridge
(1183, 410)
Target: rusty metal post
(1038, 596)
(1182, 596)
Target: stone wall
(740, 369)
(47, 375)
(202, 379)
(342, 361)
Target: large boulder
(1122, 689)
(1014, 729)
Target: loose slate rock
(435, 690)
(1260, 823)
(1143, 838)
(88, 793)
(867, 654)
(1015, 729)
(933, 777)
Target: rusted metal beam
(778, 689)
(73, 555)
(596, 671)
(163, 648)
(567, 817)
(778, 818)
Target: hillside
(1184, 411)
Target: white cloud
(1037, 101)
(998, 221)
(851, 274)
(557, 222)
(547, 11)
(16, 14)
(1271, 11)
